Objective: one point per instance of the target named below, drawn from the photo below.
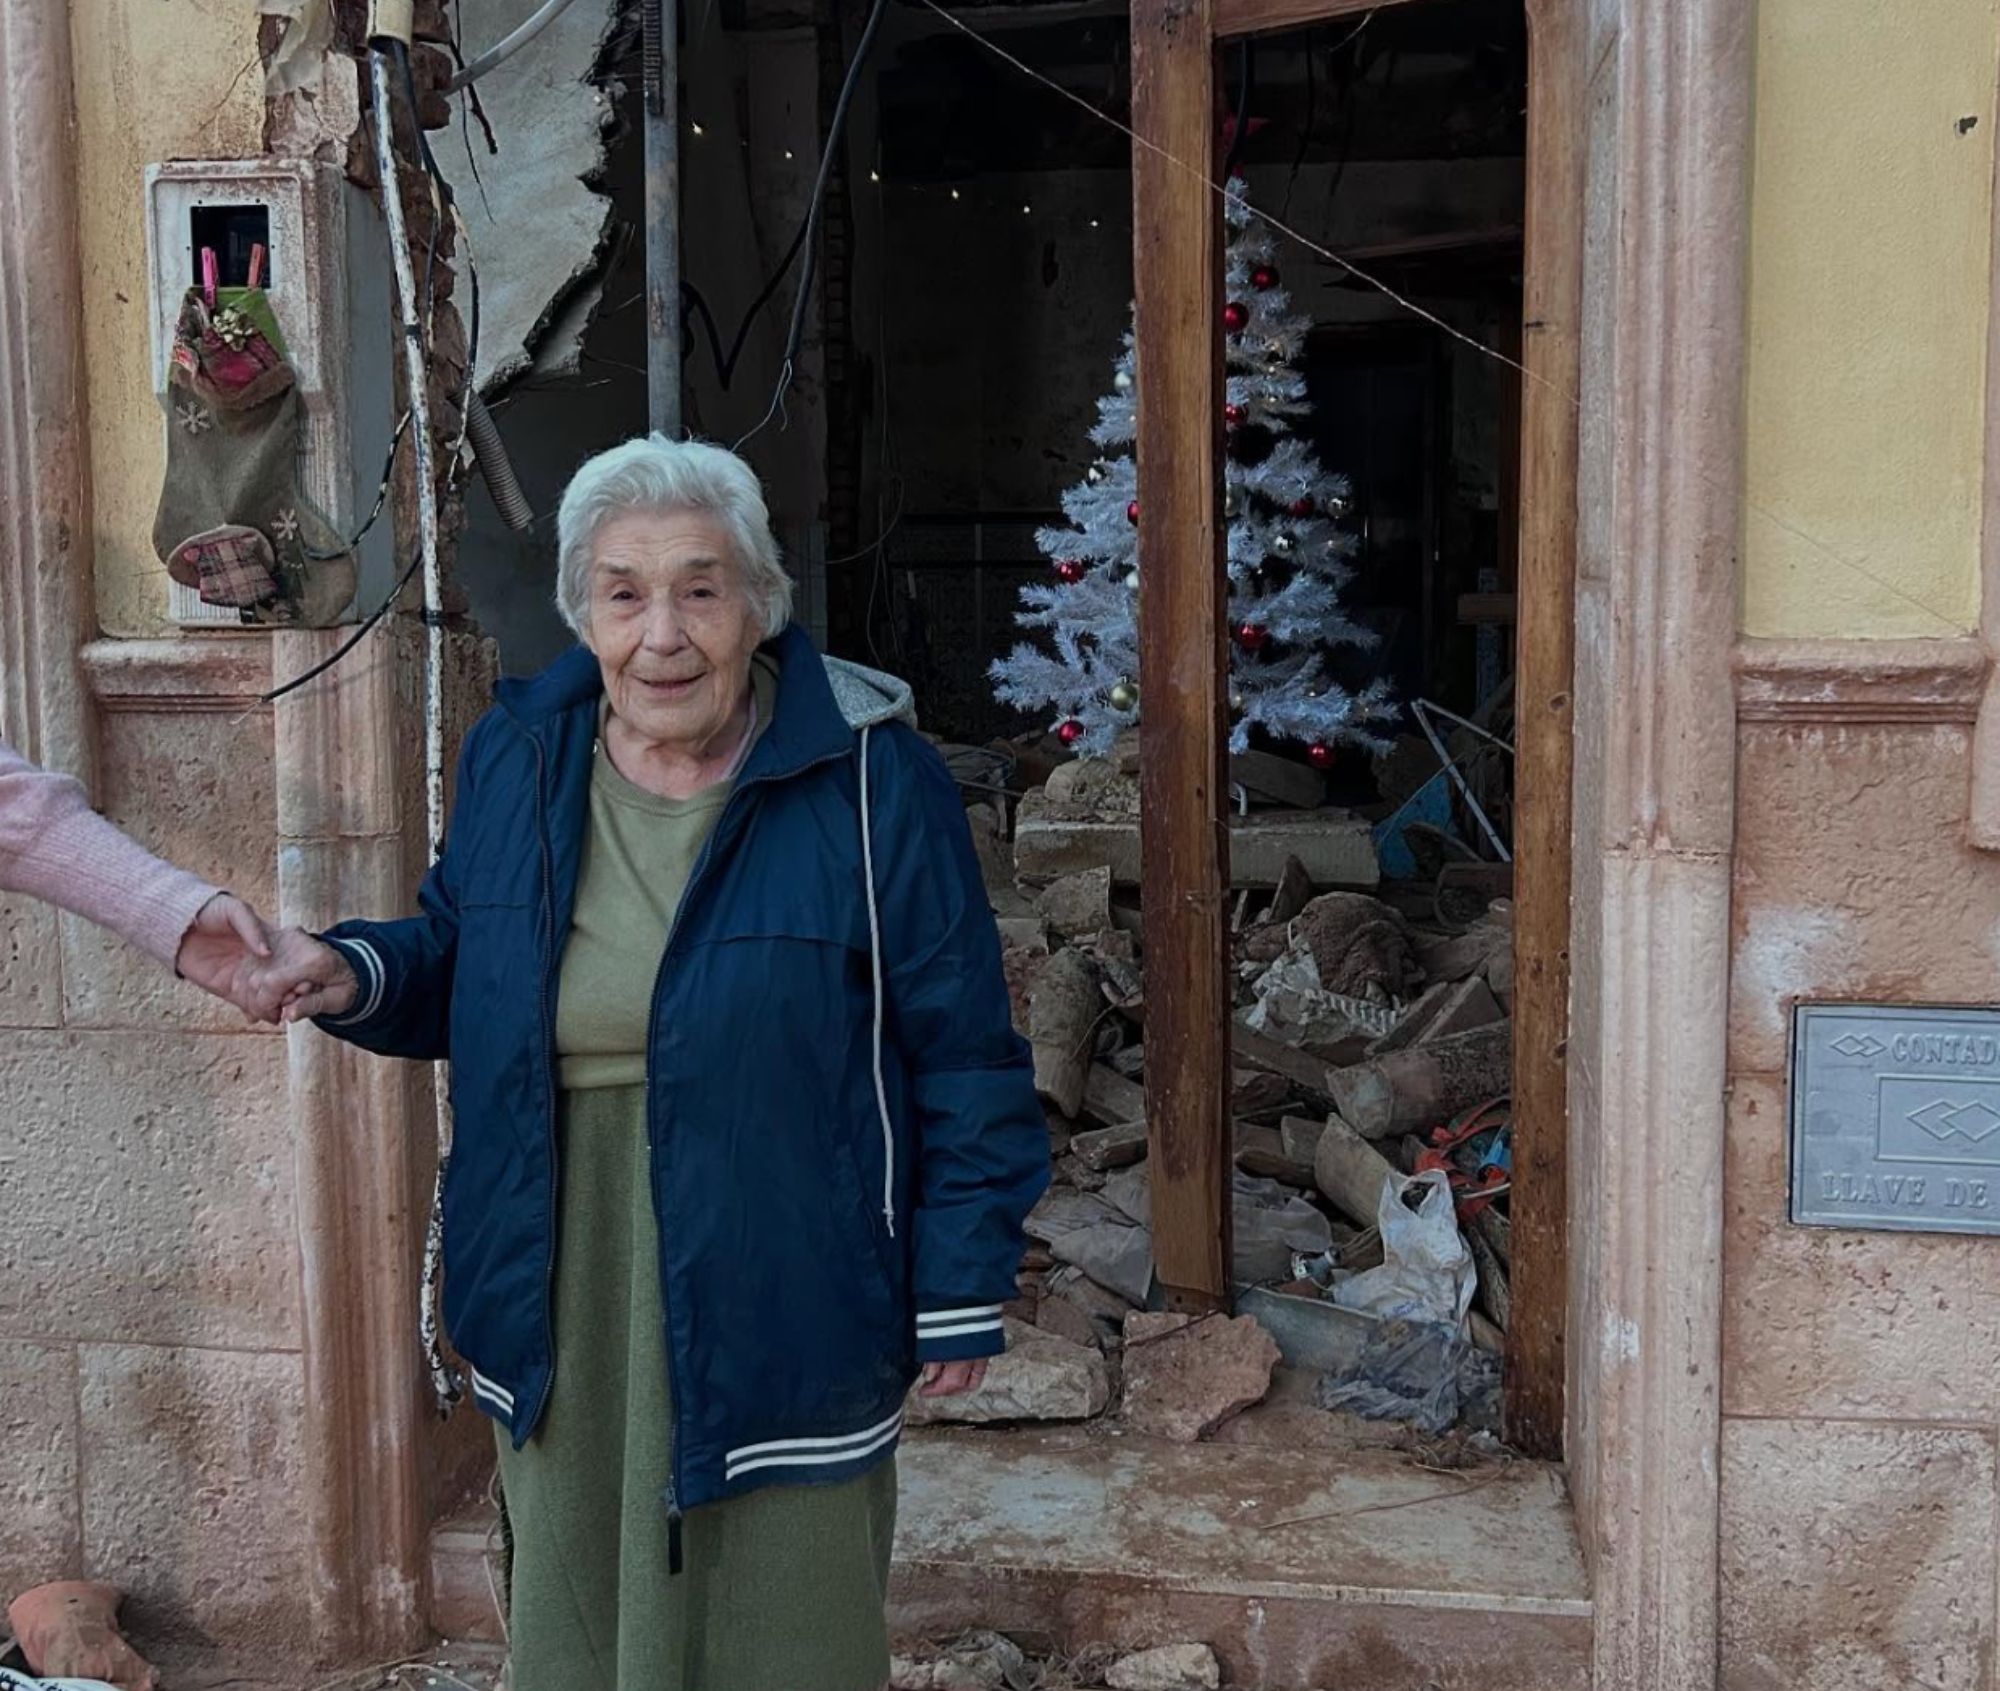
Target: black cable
(401, 53)
(811, 225)
(347, 645)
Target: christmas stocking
(232, 523)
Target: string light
(874, 176)
(788, 152)
(954, 193)
(1026, 210)
(698, 129)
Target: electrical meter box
(327, 273)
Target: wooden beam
(1480, 608)
(1183, 661)
(1544, 730)
(1260, 17)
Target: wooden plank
(1539, 1269)
(1486, 607)
(1183, 662)
(1257, 17)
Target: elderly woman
(744, 1136)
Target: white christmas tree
(1287, 552)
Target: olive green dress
(781, 1590)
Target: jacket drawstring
(875, 957)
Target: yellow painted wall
(155, 79)
(1871, 237)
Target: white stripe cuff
(959, 1331)
(373, 985)
(930, 1319)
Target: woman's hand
(302, 978)
(950, 1379)
(222, 948)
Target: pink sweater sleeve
(54, 847)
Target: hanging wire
(810, 228)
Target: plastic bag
(1421, 1372)
(1427, 1272)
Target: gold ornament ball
(1124, 696)
(1339, 505)
(1283, 545)
(1230, 502)
(1236, 703)
(1122, 381)
(1095, 475)
(1132, 580)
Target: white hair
(653, 473)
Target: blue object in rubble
(1430, 803)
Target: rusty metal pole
(663, 216)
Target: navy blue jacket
(840, 1177)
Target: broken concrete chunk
(1278, 780)
(1334, 847)
(980, 1661)
(1067, 1320)
(1062, 1011)
(1470, 1005)
(1258, 1090)
(1350, 1172)
(1091, 787)
(1107, 1148)
(1300, 1138)
(1261, 1151)
(1110, 1098)
(1455, 957)
(1027, 933)
(69, 1630)
(1186, 1375)
(1408, 1091)
(1077, 906)
(1173, 1667)
(1040, 1378)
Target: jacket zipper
(672, 1494)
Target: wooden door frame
(1184, 674)
(1638, 228)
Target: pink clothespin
(208, 277)
(257, 265)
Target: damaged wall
(745, 180)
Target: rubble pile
(1372, 1050)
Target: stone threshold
(1304, 1568)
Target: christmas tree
(1287, 553)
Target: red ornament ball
(1236, 317)
(1132, 512)
(1264, 277)
(1069, 732)
(1235, 415)
(1253, 637)
(1303, 506)
(1069, 570)
(1320, 755)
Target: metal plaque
(1896, 1118)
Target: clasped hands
(270, 974)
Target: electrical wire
(507, 46)
(810, 227)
